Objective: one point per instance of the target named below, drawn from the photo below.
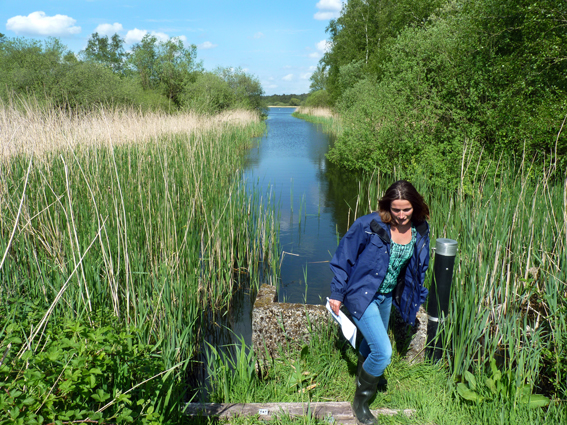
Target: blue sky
(278, 41)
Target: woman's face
(401, 211)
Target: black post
(445, 252)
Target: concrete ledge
(277, 324)
(331, 412)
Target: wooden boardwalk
(332, 412)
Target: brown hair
(403, 189)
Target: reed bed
(29, 128)
(509, 292)
(317, 112)
(143, 217)
(329, 120)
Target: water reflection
(314, 198)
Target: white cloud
(37, 23)
(182, 38)
(109, 29)
(335, 5)
(306, 76)
(161, 36)
(258, 35)
(271, 86)
(324, 46)
(328, 9)
(136, 35)
(288, 77)
(207, 45)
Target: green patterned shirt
(399, 257)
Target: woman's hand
(335, 306)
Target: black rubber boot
(365, 389)
(382, 382)
(359, 364)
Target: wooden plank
(333, 412)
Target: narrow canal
(313, 198)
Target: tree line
(285, 99)
(154, 74)
(440, 87)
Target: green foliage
(209, 94)
(105, 51)
(27, 65)
(294, 101)
(246, 88)
(472, 79)
(154, 75)
(364, 29)
(95, 209)
(164, 66)
(54, 76)
(500, 387)
(81, 370)
(319, 79)
(84, 85)
(282, 99)
(213, 92)
(318, 99)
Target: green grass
(324, 371)
(328, 124)
(151, 234)
(504, 336)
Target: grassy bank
(121, 232)
(504, 338)
(324, 116)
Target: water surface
(313, 197)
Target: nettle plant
(497, 387)
(79, 371)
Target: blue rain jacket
(361, 261)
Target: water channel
(313, 198)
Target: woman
(381, 260)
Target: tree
(318, 99)
(319, 78)
(294, 101)
(364, 30)
(108, 52)
(164, 66)
(246, 88)
(28, 66)
(208, 94)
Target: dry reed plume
(31, 129)
(316, 112)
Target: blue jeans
(373, 325)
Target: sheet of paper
(348, 328)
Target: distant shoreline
(283, 106)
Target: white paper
(348, 328)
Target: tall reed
(141, 215)
(509, 292)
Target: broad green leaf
(28, 401)
(491, 385)
(467, 394)
(471, 380)
(524, 391)
(538, 400)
